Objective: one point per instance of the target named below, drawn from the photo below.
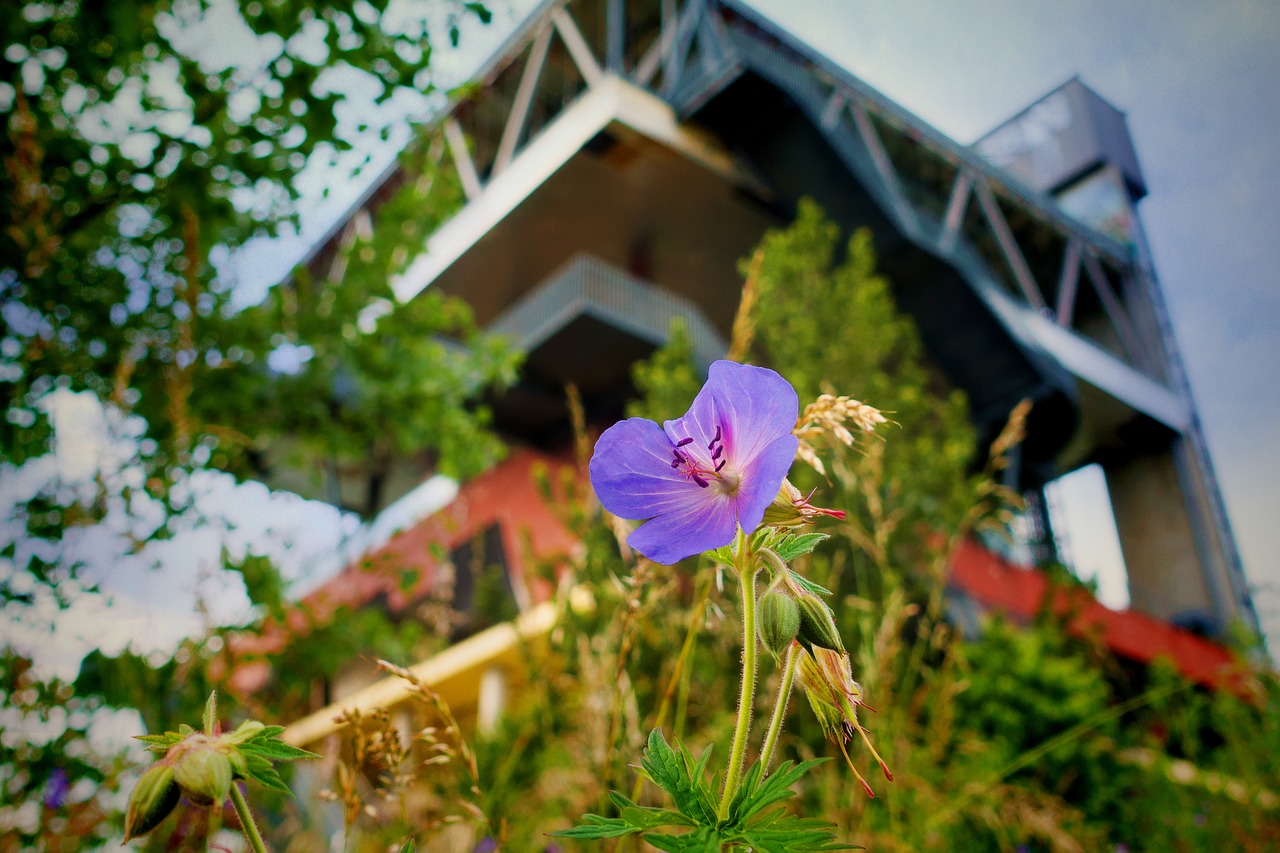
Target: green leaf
(799, 545)
(780, 832)
(263, 772)
(681, 777)
(160, 743)
(808, 585)
(646, 817)
(211, 713)
(277, 750)
(595, 826)
(703, 840)
(754, 796)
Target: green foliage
(828, 323)
(751, 823)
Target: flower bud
(151, 801)
(204, 774)
(817, 625)
(778, 621)
(791, 508)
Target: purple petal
(761, 481)
(631, 471)
(707, 521)
(754, 405)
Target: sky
(1200, 85)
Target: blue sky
(1200, 83)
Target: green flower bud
(817, 624)
(151, 801)
(204, 774)
(777, 621)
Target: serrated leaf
(723, 556)
(674, 773)
(595, 826)
(263, 772)
(647, 817)
(808, 585)
(160, 743)
(780, 832)
(755, 795)
(702, 840)
(276, 750)
(798, 545)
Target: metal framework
(1061, 289)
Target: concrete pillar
(1162, 531)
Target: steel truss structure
(1082, 307)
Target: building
(619, 156)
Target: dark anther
(675, 463)
(715, 438)
(701, 482)
(721, 465)
(719, 450)
(682, 442)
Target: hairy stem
(246, 820)
(780, 709)
(747, 580)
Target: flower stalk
(246, 821)
(747, 567)
(780, 709)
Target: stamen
(682, 442)
(718, 451)
(716, 437)
(701, 482)
(721, 465)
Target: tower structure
(619, 156)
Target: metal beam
(954, 217)
(1115, 311)
(524, 98)
(884, 166)
(1009, 246)
(578, 48)
(462, 161)
(1068, 282)
(1090, 362)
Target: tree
(142, 145)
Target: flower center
(700, 471)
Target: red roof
(1020, 593)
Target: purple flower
(56, 789)
(698, 478)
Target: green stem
(747, 580)
(780, 709)
(246, 820)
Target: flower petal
(754, 405)
(708, 521)
(631, 471)
(762, 479)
